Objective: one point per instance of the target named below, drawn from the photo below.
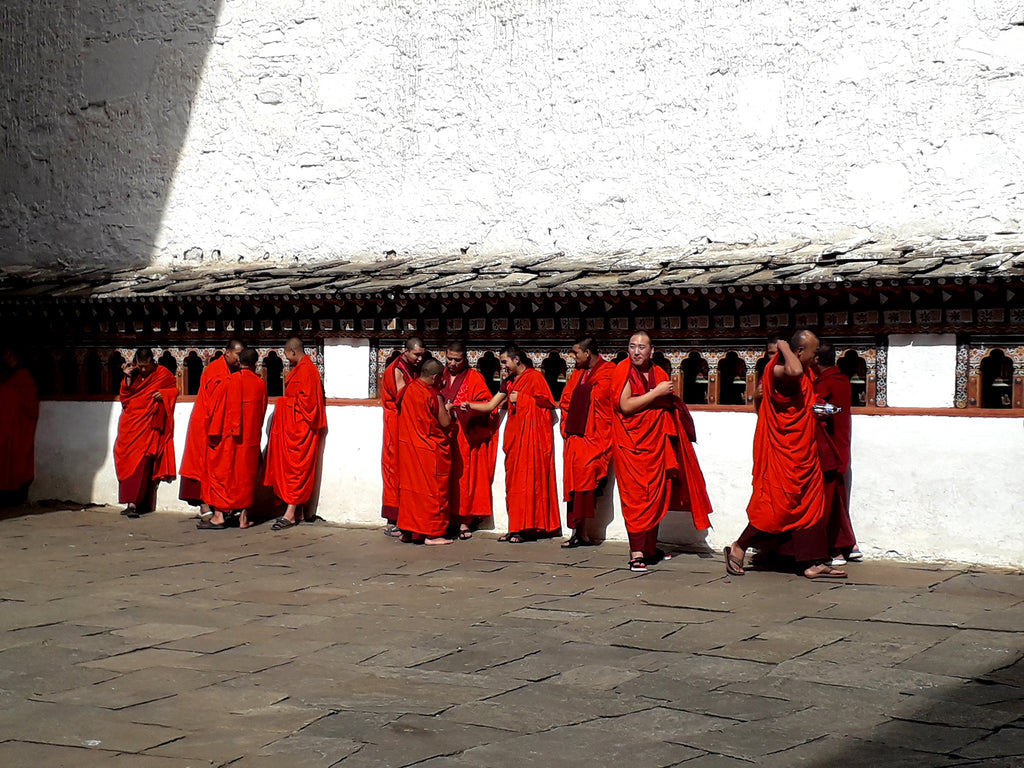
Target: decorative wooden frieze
(367, 324)
(777, 321)
(618, 323)
(477, 324)
(454, 324)
(807, 319)
(959, 316)
(671, 322)
(499, 325)
(897, 317)
(928, 316)
(836, 319)
(750, 321)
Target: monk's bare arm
(791, 367)
(400, 381)
(444, 416)
(629, 404)
(487, 407)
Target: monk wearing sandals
(298, 426)
(786, 512)
(425, 458)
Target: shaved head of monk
(455, 357)
(640, 349)
(231, 350)
(248, 358)
(294, 351)
(431, 371)
(804, 345)
(414, 352)
(585, 352)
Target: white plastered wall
(924, 487)
(921, 370)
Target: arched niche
(273, 368)
(69, 371)
(732, 380)
(695, 379)
(115, 370)
(554, 369)
(659, 359)
(996, 386)
(855, 368)
(167, 361)
(488, 365)
(193, 372)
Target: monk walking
(586, 407)
(656, 467)
(235, 430)
(19, 412)
(300, 419)
(404, 369)
(832, 409)
(787, 506)
(425, 457)
(193, 458)
(144, 448)
(531, 494)
(474, 444)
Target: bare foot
(823, 571)
(243, 520)
(437, 542)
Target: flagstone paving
(145, 643)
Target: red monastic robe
(19, 412)
(474, 447)
(193, 458)
(389, 400)
(586, 407)
(833, 437)
(146, 426)
(788, 487)
(300, 417)
(531, 493)
(425, 455)
(656, 467)
(236, 413)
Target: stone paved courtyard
(149, 643)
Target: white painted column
(921, 370)
(347, 368)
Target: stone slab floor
(147, 643)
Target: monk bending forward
(787, 506)
(425, 459)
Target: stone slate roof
(783, 265)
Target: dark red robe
(145, 433)
(235, 430)
(531, 493)
(656, 467)
(193, 457)
(389, 399)
(833, 436)
(19, 412)
(474, 448)
(425, 455)
(300, 418)
(586, 426)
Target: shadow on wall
(76, 439)
(97, 99)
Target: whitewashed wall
(925, 487)
(309, 129)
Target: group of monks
(222, 465)
(440, 447)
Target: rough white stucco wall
(318, 128)
(921, 370)
(924, 487)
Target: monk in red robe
(144, 449)
(19, 412)
(193, 458)
(586, 424)
(425, 458)
(787, 506)
(235, 430)
(404, 369)
(474, 443)
(531, 493)
(656, 467)
(300, 421)
(833, 435)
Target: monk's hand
(783, 346)
(513, 396)
(663, 389)
(157, 396)
(128, 369)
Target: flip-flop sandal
(637, 565)
(281, 523)
(573, 542)
(733, 567)
(393, 531)
(830, 573)
(209, 525)
(512, 538)
(465, 535)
